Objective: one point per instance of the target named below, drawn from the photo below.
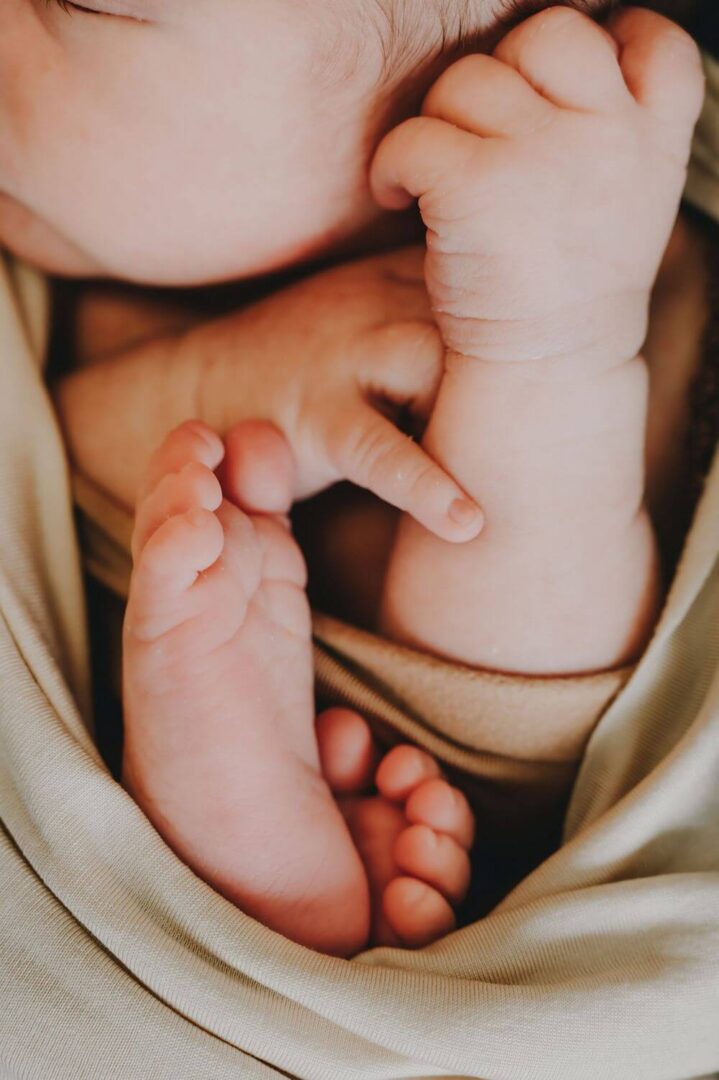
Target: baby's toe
(348, 752)
(262, 558)
(443, 808)
(191, 441)
(434, 858)
(169, 564)
(402, 770)
(282, 559)
(568, 58)
(194, 487)
(416, 913)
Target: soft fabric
(118, 962)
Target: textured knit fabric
(117, 962)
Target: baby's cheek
(23, 90)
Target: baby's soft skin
(549, 176)
(220, 746)
(329, 361)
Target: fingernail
(465, 513)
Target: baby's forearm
(115, 412)
(564, 577)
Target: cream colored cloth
(118, 963)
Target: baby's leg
(220, 746)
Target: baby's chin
(145, 260)
(33, 241)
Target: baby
(548, 175)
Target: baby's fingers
(417, 158)
(374, 454)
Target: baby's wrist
(214, 359)
(552, 439)
(600, 334)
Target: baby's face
(183, 141)
(180, 140)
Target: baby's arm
(564, 577)
(540, 265)
(332, 362)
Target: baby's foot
(220, 746)
(414, 834)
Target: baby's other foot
(414, 834)
(220, 747)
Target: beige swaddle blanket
(117, 962)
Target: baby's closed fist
(549, 176)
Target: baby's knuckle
(553, 19)
(407, 134)
(370, 452)
(540, 36)
(423, 480)
(415, 346)
(468, 72)
(676, 39)
(687, 53)
(422, 146)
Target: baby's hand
(333, 362)
(549, 176)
